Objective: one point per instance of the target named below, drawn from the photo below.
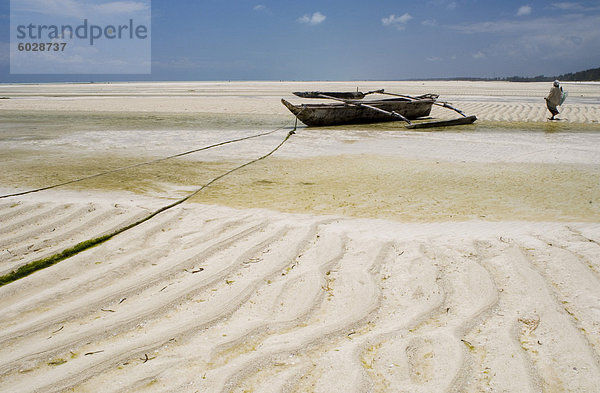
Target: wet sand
(367, 258)
(490, 101)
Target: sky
(339, 39)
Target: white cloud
(429, 22)
(557, 38)
(314, 19)
(567, 6)
(398, 21)
(572, 24)
(434, 58)
(259, 7)
(524, 10)
(575, 7)
(479, 55)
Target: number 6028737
(41, 46)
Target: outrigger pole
(395, 114)
(440, 123)
(443, 104)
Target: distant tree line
(581, 76)
(587, 75)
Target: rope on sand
(142, 163)
(39, 264)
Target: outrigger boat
(351, 110)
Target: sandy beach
(353, 258)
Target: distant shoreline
(591, 75)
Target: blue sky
(350, 40)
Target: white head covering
(556, 83)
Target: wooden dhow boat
(350, 109)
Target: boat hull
(316, 115)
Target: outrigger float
(351, 110)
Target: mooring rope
(39, 264)
(145, 163)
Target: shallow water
(482, 171)
(160, 134)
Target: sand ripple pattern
(520, 112)
(212, 299)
